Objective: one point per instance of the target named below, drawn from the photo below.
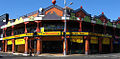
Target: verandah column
(26, 38)
(111, 45)
(93, 27)
(80, 26)
(13, 40)
(5, 41)
(100, 45)
(39, 42)
(86, 45)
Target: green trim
(60, 34)
(99, 21)
(31, 18)
(109, 24)
(73, 16)
(118, 25)
(87, 19)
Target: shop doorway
(76, 45)
(76, 48)
(9, 48)
(32, 46)
(105, 48)
(94, 46)
(105, 45)
(52, 46)
(20, 48)
(116, 48)
(116, 45)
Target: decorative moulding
(38, 18)
(26, 19)
(78, 18)
(41, 15)
(93, 21)
(114, 26)
(63, 18)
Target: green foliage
(109, 24)
(87, 19)
(99, 21)
(31, 18)
(118, 26)
(73, 16)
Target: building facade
(42, 32)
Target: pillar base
(13, 52)
(26, 52)
(38, 52)
(86, 53)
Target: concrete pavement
(60, 56)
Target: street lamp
(65, 26)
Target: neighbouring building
(42, 31)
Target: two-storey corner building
(42, 31)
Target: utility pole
(65, 29)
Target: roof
(52, 6)
(104, 16)
(82, 10)
(52, 16)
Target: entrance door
(20, 48)
(52, 46)
(94, 46)
(9, 48)
(105, 48)
(105, 45)
(76, 46)
(116, 48)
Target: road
(96, 56)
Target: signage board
(106, 41)
(94, 40)
(42, 29)
(52, 33)
(19, 41)
(77, 39)
(79, 33)
(9, 42)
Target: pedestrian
(30, 51)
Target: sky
(17, 8)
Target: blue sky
(17, 8)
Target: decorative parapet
(21, 20)
(87, 19)
(63, 18)
(98, 21)
(73, 16)
(114, 26)
(93, 21)
(118, 26)
(109, 24)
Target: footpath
(44, 54)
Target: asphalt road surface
(96, 56)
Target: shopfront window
(53, 26)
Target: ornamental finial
(81, 7)
(54, 2)
(102, 12)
